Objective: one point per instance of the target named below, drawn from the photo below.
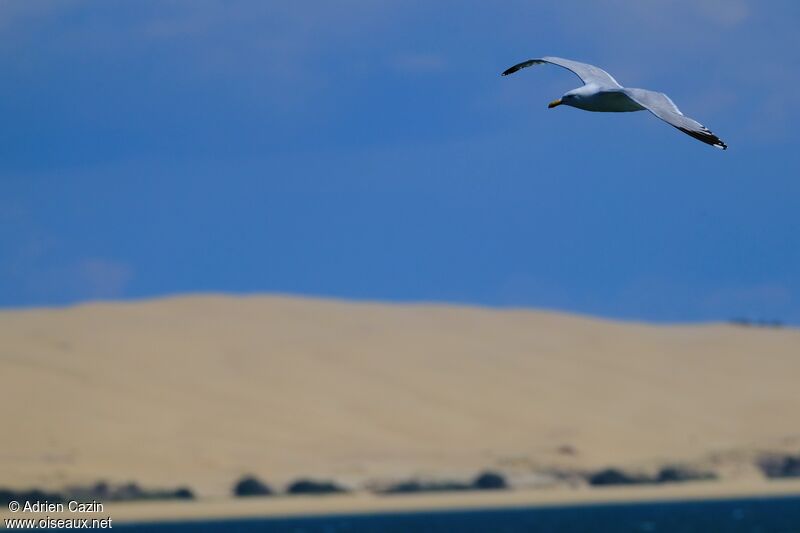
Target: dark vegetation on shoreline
(250, 485)
(311, 486)
(775, 466)
(484, 481)
(100, 491)
(667, 474)
(772, 465)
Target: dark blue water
(752, 515)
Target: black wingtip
(707, 137)
(719, 144)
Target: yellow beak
(554, 103)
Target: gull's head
(567, 99)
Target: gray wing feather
(661, 106)
(587, 73)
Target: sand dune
(199, 390)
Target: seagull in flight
(601, 92)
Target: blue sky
(371, 150)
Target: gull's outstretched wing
(661, 106)
(587, 73)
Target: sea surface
(751, 515)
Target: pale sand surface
(287, 506)
(197, 391)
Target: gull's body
(602, 93)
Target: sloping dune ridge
(198, 390)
